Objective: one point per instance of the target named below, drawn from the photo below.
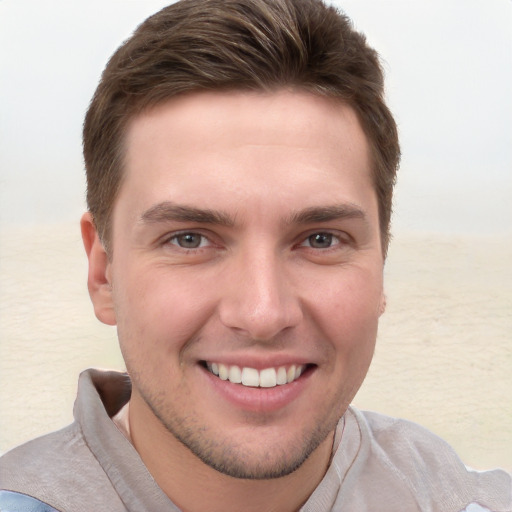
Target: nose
(260, 300)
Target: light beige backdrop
(443, 359)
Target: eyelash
(334, 240)
(177, 236)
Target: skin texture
(245, 232)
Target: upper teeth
(267, 378)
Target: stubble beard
(228, 456)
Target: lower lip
(262, 400)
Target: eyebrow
(328, 213)
(168, 211)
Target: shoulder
(402, 440)
(58, 469)
(428, 466)
(39, 456)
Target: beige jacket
(380, 464)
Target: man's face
(246, 246)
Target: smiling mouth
(250, 377)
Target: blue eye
(321, 240)
(189, 240)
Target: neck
(194, 486)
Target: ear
(98, 279)
(383, 303)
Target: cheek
(155, 311)
(348, 312)
(352, 296)
(353, 334)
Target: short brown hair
(196, 45)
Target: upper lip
(258, 363)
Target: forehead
(278, 146)
(239, 114)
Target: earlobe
(98, 279)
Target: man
(240, 164)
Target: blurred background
(444, 355)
